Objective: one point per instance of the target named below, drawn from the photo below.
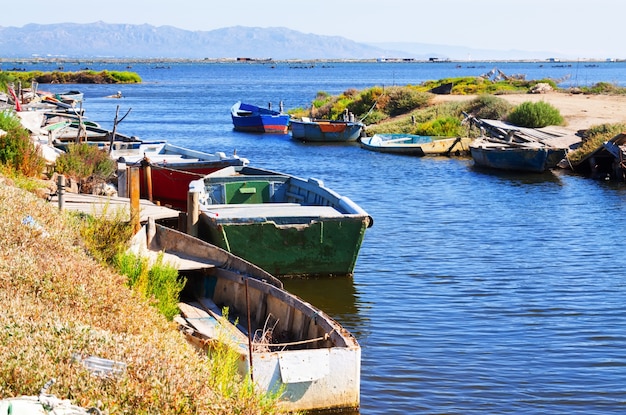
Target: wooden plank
(111, 205)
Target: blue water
(475, 292)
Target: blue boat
(250, 118)
(316, 130)
(507, 156)
(505, 146)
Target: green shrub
(105, 235)
(405, 99)
(83, 160)
(488, 107)
(159, 282)
(535, 115)
(17, 151)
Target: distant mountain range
(104, 40)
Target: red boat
(166, 169)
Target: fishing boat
(63, 133)
(286, 225)
(72, 97)
(530, 157)
(285, 344)
(504, 146)
(247, 117)
(317, 130)
(166, 170)
(416, 145)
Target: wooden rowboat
(416, 145)
(285, 343)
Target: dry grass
(56, 302)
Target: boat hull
(250, 118)
(415, 145)
(516, 158)
(326, 131)
(319, 247)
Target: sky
(577, 28)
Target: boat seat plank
(207, 323)
(270, 210)
(185, 262)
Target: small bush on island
(79, 77)
(535, 115)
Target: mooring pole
(134, 199)
(193, 213)
(61, 191)
(249, 334)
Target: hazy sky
(574, 27)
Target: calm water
(475, 292)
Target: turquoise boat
(286, 225)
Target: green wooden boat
(284, 224)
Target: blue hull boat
(325, 130)
(250, 118)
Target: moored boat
(515, 157)
(287, 225)
(416, 145)
(285, 344)
(316, 130)
(505, 146)
(166, 169)
(251, 118)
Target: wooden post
(193, 213)
(134, 199)
(61, 191)
(147, 178)
(122, 180)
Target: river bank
(579, 111)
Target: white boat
(285, 343)
(416, 145)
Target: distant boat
(416, 145)
(285, 344)
(247, 117)
(286, 225)
(70, 97)
(317, 130)
(172, 168)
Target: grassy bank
(59, 303)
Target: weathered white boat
(285, 343)
(416, 145)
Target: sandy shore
(579, 111)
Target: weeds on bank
(158, 282)
(226, 373)
(593, 138)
